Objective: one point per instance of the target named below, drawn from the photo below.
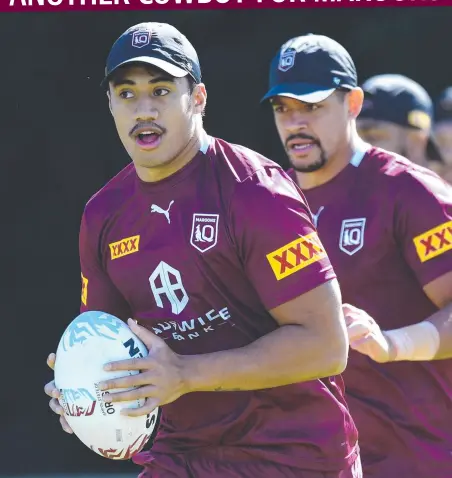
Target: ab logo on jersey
(434, 242)
(167, 281)
(296, 255)
(204, 231)
(351, 239)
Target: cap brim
(159, 63)
(300, 91)
(433, 152)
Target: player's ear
(355, 100)
(109, 101)
(415, 145)
(199, 97)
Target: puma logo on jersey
(315, 217)
(165, 212)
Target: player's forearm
(287, 355)
(427, 340)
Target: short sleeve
(97, 292)
(423, 224)
(278, 245)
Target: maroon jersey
(386, 225)
(200, 258)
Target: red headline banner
(102, 5)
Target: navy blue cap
(443, 106)
(400, 100)
(310, 68)
(157, 44)
(397, 99)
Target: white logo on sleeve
(169, 285)
(204, 231)
(165, 212)
(316, 216)
(352, 235)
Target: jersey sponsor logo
(204, 231)
(296, 255)
(315, 217)
(124, 247)
(434, 242)
(165, 212)
(84, 290)
(351, 239)
(192, 328)
(166, 281)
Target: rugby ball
(89, 342)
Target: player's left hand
(365, 335)
(160, 380)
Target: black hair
(191, 83)
(342, 93)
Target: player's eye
(126, 94)
(278, 108)
(313, 107)
(161, 91)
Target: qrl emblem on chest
(351, 239)
(204, 231)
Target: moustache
(300, 136)
(146, 125)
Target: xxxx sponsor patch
(434, 242)
(124, 247)
(296, 255)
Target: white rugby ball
(89, 342)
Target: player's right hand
(365, 335)
(53, 392)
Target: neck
(190, 150)
(335, 164)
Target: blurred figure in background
(386, 224)
(397, 116)
(443, 131)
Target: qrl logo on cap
(287, 60)
(141, 39)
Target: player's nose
(146, 110)
(297, 123)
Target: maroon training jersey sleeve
(98, 292)
(423, 223)
(277, 242)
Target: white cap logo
(141, 39)
(287, 60)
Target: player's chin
(148, 155)
(305, 161)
